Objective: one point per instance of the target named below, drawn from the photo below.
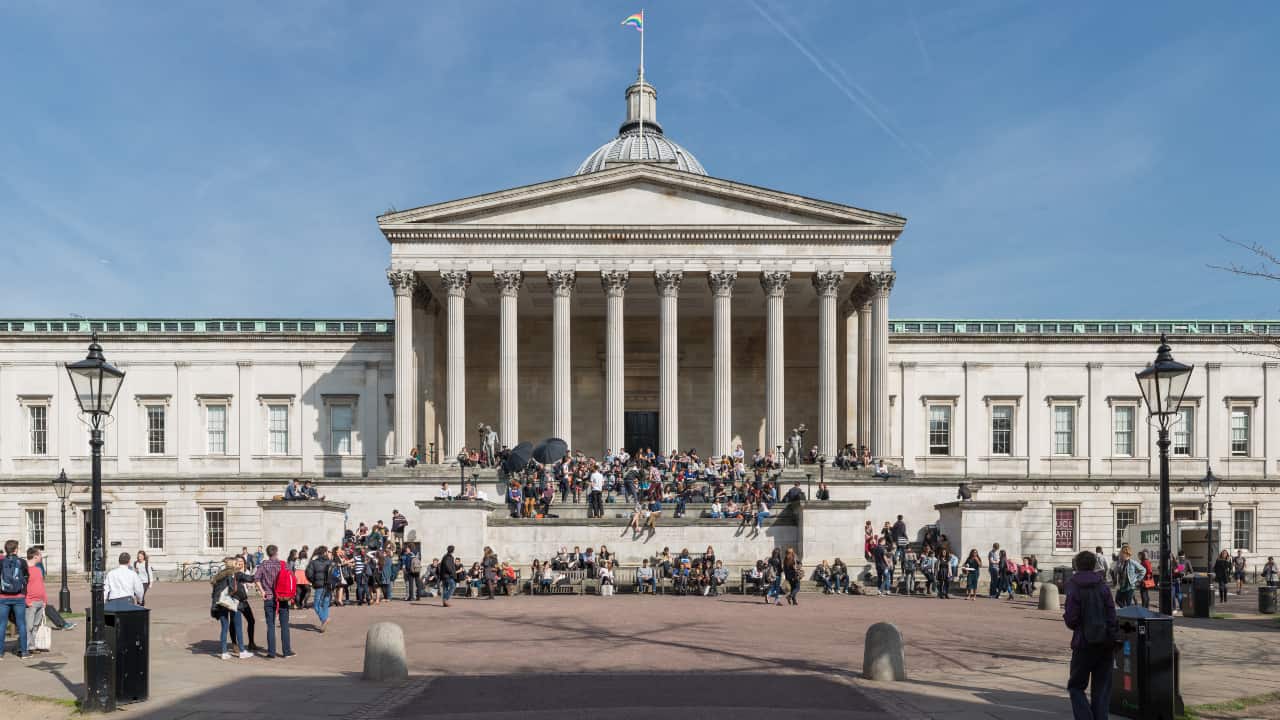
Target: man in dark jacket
(448, 574)
(1089, 607)
(321, 584)
(411, 564)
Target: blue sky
(229, 159)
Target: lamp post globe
(97, 384)
(62, 487)
(1163, 384)
(1210, 484)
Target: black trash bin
(1197, 596)
(128, 629)
(1267, 599)
(1143, 678)
(1061, 574)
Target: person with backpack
(317, 573)
(411, 563)
(278, 587)
(1090, 614)
(14, 576)
(448, 576)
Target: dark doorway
(641, 431)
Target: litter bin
(1143, 678)
(128, 629)
(1061, 574)
(1267, 599)
(1197, 596)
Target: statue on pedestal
(794, 443)
(488, 444)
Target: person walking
(1269, 572)
(1238, 570)
(37, 600)
(791, 568)
(972, 567)
(1222, 574)
(319, 576)
(448, 573)
(1090, 614)
(244, 581)
(225, 587)
(268, 577)
(1129, 575)
(993, 571)
(909, 563)
(123, 583)
(943, 572)
(147, 576)
(1148, 580)
(411, 564)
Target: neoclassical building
(640, 302)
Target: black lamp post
(822, 476)
(96, 383)
(1210, 484)
(1163, 384)
(62, 486)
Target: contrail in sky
(857, 96)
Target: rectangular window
(278, 429)
(1002, 430)
(1240, 432)
(215, 528)
(216, 426)
(1184, 432)
(1064, 434)
(340, 419)
(1242, 529)
(939, 429)
(35, 528)
(1122, 421)
(153, 528)
(155, 429)
(39, 417)
(1125, 516)
(1064, 529)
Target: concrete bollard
(1049, 597)
(384, 657)
(882, 654)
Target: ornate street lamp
(1163, 384)
(1211, 486)
(62, 486)
(822, 465)
(96, 383)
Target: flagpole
(641, 108)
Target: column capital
(455, 282)
(668, 282)
(775, 282)
(722, 282)
(881, 283)
(508, 282)
(615, 282)
(402, 282)
(827, 282)
(561, 282)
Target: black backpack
(1093, 618)
(13, 575)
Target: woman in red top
(1148, 580)
(36, 597)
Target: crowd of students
(935, 568)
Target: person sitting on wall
(293, 492)
(309, 491)
(794, 494)
(444, 493)
(882, 470)
(412, 460)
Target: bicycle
(200, 570)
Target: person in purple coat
(1090, 613)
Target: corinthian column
(402, 283)
(881, 284)
(721, 283)
(861, 300)
(561, 282)
(615, 287)
(455, 284)
(827, 284)
(508, 284)
(668, 283)
(775, 289)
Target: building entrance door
(641, 431)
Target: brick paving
(707, 657)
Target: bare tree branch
(1261, 270)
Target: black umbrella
(518, 457)
(550, 450)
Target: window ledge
(277, 457)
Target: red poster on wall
(1064, 529)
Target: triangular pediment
(640, 194)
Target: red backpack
(286, 587)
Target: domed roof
(640, 138)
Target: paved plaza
(624, 656)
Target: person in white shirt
(596, 499)
(142, 566)
(123, 582)
(445, 493)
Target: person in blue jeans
(1090, 613)
(265, 576)
(13, 596)
(448, 574)
(320, 576)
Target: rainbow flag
(636, 21)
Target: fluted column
(862, 301)
(455, 283)
(615, 288)
(561, 282)
(881, 284)
(775, 289)
(668, 283)
(403, 283)
(721, 283)
(508, 284)
(827, 283)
